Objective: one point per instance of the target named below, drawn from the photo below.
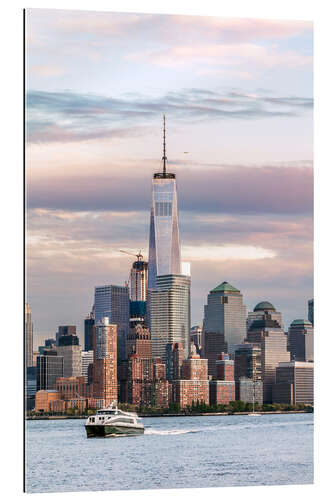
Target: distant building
(49, 343)
(300, 340)
(224, 322)
(247, 359)
(87, 359)
(138, 342)
(222, 390)
(294, 383)
(28, 337)
(70, 350)
(72, 387)
(249, 391)
(196, 337)
(30, 387)
(169, 313)
(311, 311)
(89, 323)
(264, 310)
(65, 330)
(112, 301)
(194, 385)
(174, 360)
(50, 366)
(105, 361)
(45, 398)
(138, 291)
(270, 337)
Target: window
(224, 300)
(163, 208)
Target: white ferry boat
(112, 422)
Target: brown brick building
(105, 361)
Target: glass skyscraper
(164, 246)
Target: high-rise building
(112, 301)
(196, 337)
(270, 337)
(174, 360)
(224, 322)
(294, 383)
(138, 291)
(169, 313)
(50, 366)
(28, 337)
(87, 359)
(249, 391)
(65, 330)
(300, 340)
(194, 385)
(89, 323)
(264, 310)
(70, 350)
(247, 359)
(105, 361)
(164, 245)
(222, 390)
(311, 311)
(138, 342)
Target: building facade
(224, 322)
(264, 310)
(169, 313)
(87, 358)
(105, 384)
(70, 350)
(311, 310)
(50, 366)
(294, 383)
(300, 340)
(112, 301)
(164, 245)
(65, 330)
(89, 323)
(28, 337)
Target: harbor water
(174, 452)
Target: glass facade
(164, 246)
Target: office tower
(264, 310)
(196, 337)
(87, 359)
(105, 360)
(224, 322)
(300, 340)
(193, 387)
(112, 301)
(247, 359)
(294, 383)
(50, 366)
(169, 313)
(164, 245)
(174, 360)
(65, 330)
(28, 337)
(138, 342)
(272, 341)
(138, 291)
(311, 311)
(249, 391)
(70, 350)
(222, 390)
(89, 323)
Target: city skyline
(239, 141)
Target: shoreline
(150, 415)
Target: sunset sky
(237, 95)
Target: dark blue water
(174, 452)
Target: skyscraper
(164, 246)
(87, 359)
(311, 310)
(28, 337)
(70, 350)
(264, 310)
(65, 330)
(138, 291)
(224, 322)
(89, 330)
(105, 361)
(300, 340)
(112, 301)
(50, 366)
(169, 313)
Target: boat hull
(112, 431)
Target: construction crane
(139, 255)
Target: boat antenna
(164, 158)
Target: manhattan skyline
(237, 95)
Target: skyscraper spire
(164, 158)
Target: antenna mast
(164, 153)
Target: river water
(174, 452)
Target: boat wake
(171, 432)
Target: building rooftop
(264, 323)
(225, 287)
(264, 306)
(301, 322)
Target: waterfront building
(270, 337)
(294, 383)
(224, 322)
(169, 313)
(300, 340)
(105, 361)
(264, 310)
(28, 337)
(196, 337)
(50, 366)
(311, 310)
(72, 387)
(222, 390)
(70, 350)
(247, 359)
(164, 245)
(65, 330)
(112, 301)
(194, 385)
(44, 399)
(249, 391)
(89, 323)
(87, 358)
(30, 387)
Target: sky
(238, 100)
